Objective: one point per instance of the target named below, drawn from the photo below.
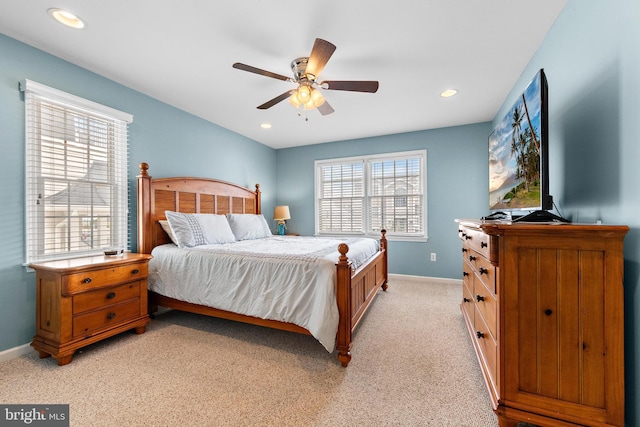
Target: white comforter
(290, 279)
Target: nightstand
(83, 300)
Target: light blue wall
(457, 182)
(173, 142)
(591, 58)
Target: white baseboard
(14, 352)
(425, 279)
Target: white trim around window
(359, 196)
(76, 175)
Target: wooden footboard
(356, 288)
(355, 291)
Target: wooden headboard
(187, 195)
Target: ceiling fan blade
(320, 54)
(249, 68)
(370, 86)
(325, 108)
(275, 100)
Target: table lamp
(281, 214)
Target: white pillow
(248, 226)
(167, 229)
(199, 229)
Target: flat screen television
(519, 159)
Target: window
(76, 175)
(363, 195)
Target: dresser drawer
(95, 279)
(477, 240)
(488, 345)
(486, 271)
(85, 324)
(467, 299)
(487, 305)
(105, 296)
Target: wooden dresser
(83, 300)
(544, 307)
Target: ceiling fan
(305, 73)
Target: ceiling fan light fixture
(66, 18)
(306, 97)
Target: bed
(357, 280)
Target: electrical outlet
(433, 256)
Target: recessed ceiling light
(265, 125)
(448, 93)
(67, 18)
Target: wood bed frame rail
(355, 288)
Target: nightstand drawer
(85, 324)
(106, 296)
(93, 279)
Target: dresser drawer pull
(465, 274)
(111, 295)
(464, 250)
(136, 271)
(472, 258)
(467, 237)
(465, 299)
(484, 270)
(479, 298)
(87, 280)
(111, 315)
(479, 334)
(483, 244)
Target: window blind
(341, 198)
(396, 196)
(76, 175)
(369, 193)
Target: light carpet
(413, 365)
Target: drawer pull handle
(483, 244)
(136, 271)
(467, 237)
(479, 334)
(484, 270)
(465, 299)
(111, 315)
(464, 250)
(87, 280)
(479, 298)
(548, 312)
(472, 258)
(465, 274)
(111, 295)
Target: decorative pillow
(199, 229)
(167, 229)
(248, 226)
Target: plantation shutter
(76, 175)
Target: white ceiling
(181, 52)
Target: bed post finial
(144, 210)
(258, 199)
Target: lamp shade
(281, 213)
